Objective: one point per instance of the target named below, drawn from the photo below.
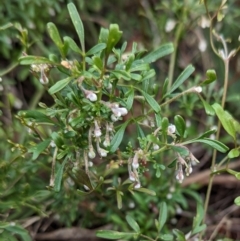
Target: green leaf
(165, 124)
(213, 143)
(114, 36)
(162, 218)
(237, 201)
(54, 34)
(30, 59)
(110, 234)
(180, 235)
(17, 229)
(140, 67)
(130, 98)
(208, 108)
(83, 178)
(147, 191)
(197, 227)
(134, 225)
(227, 121)
(72, 44)
(39, 148)
(77, 22)
(57, 139)
(59, 175)
(211, 77)
(207, 134)
(181, 78)
(148, 74)
(98, 62)
(165, 87)
(158, 53)
(167, 237)
(121, 74)
(234, 153)
(182, 151)
(140, 131)
(59, 85)
(158, 119)
(180, 125)
(36, 115)
(119, 199)
(117, 139)
(151, 101)
(97, 48)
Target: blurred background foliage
(24, 198)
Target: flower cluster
(187, 162)
(43, 69)
(133, 165)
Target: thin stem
(146, 237)
(174, 54)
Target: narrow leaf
(72, 44)
(134, 225)
(117, 139)
(147, 191)
(110, 234)
(233, 153)
(152, 102)
(39, 148)
(77, 22)
(54, 34)
(59, 175)
(96, 49)
(181, 78)
(130, 98)
(158, 53)
(162, 216)
(208, 108)
(30, 59)
(36, 115)
(180, 125)
(59, 85)
(213, 143)
(119, 199)
(226, 120)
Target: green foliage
(106, 137)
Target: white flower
(155, 147)
(132, 176)
(102, 152)
(91, 96)
(91, 154)
(204, 22)
(170, 25)
(202, 45)
(198, 89)
(114, 118)
(137, 185)
(171, 129)
(97, 132)
(135, 163)
(106, 142)
(123, 111)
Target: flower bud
(137, 185)
(135, 163)
(123, 111)
(91, 96)
(171, 129)
(102, 152)
(91, 154)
